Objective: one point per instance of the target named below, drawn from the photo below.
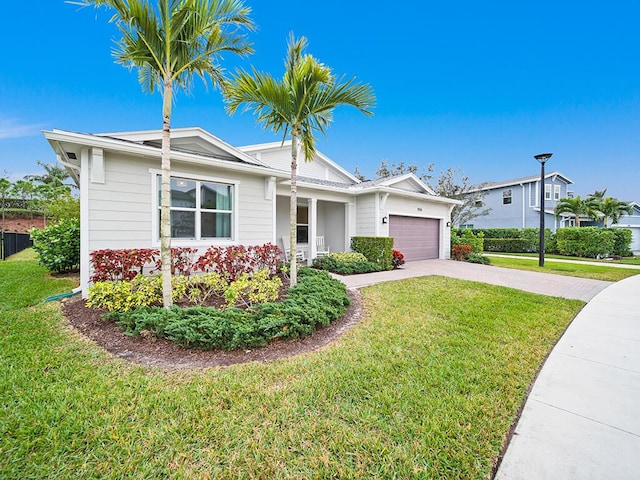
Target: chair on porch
(321, 250)
(287, 251)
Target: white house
(225, 195)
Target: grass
(622, 261)
(426, 386)
(596, 272)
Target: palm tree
(54, 174)
(299, 105)
(170, 42)
(576, 205)
(612, 208)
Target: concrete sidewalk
(582, 417)
(544, 283)
(562, 260)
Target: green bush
(585, 241)
(315, 301)
(478, 258)
(58, 246)
(622, 242)
(345, 263)
(64, 207)
(378, 250)
(467, 236)
(511, 245)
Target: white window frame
(505, 196)
(197, 241)
(547, 191)
(557, 189)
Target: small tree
(450, 186)
(299, 105)
(170, 42)
(5, 189)
(577, 206)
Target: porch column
(349, 224)
(313, 229)
(84, 221)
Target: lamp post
(542, 158)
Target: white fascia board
(413, 178)
(520, 181)
(405, 193)
(186, 132)
(262, 147)
(138, 149)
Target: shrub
(122, 264)
(141, 291)
(234, 260)
(478, 258)
(461, 252)
(58, 246)
(345, 263)
(398, 259)
(64, 207)
(511, 245)
(250, 290)
(316, 300)
(378, 250)
(622, 242)
(585, 241)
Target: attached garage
(417, 238)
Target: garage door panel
(417, 238)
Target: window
(547, 191)
(302, 224)
(199, 209)
(556, 192)
(506, 197)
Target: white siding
(366, 215)
(281, 160)
(120, 210)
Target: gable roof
(396, 180)
(262, 147)
(518, 181)
(188, 140)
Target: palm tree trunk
(165, 212)
(293, 210)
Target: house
(226, 195)
(632, 222)
(516, 203)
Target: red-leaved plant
(120, 264)
(232, 261)
(398, 259)
(461, 252)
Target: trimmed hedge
(315, 301)
(622, 242)
(378, 250)
(345, 263)
(586, 241)
(468, 237)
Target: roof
(518, 181)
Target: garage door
(416, 238)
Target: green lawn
(426, 386)
(596, 272)
(623, 261)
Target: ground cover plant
(596, 272)
(346, 263)
(425, 386)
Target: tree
(54, 175)
(450, 186)
(5, 188)
(577, 206)
(300, 104)
(607, 207)
(25, 189)
(170, 42)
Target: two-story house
(516, 203)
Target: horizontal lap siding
(366, 215)
(120, 209)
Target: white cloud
(12, 128)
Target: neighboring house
(516, 203)
(632, 222)
(224, 195)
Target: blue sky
(479, 86)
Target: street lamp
(542, 158)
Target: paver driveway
(544, 283)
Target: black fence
(13, 243)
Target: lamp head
(543, 157)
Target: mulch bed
(157, 352)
